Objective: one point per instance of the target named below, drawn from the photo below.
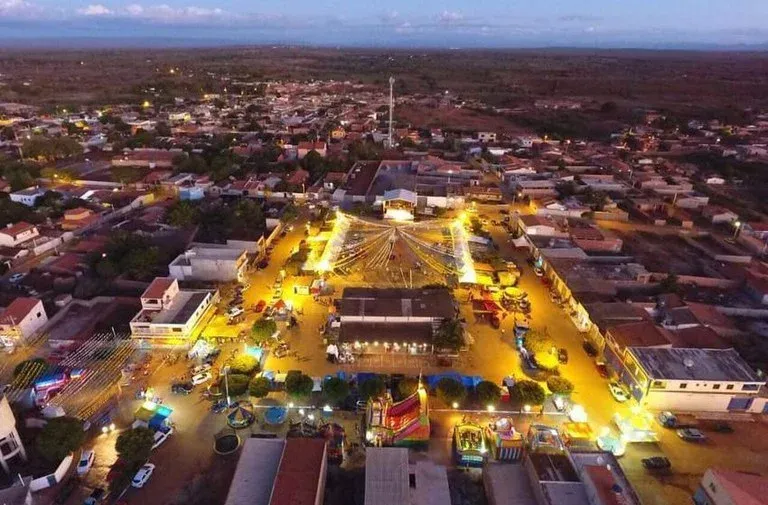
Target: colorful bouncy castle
(403, 423)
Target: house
(390, 479)
(222, 264)
(16, 234)
(540, 225)
(21, 321)
(27, 196)
(298, 178)
(486, 137)
(304, 148)
(720, 486)
(170, 315)
(78, 218)
(273, 471)
(716, 214)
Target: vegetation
(372, 388)
(59, 437)
(449, 336)
(244, 364)
(559, 385)
(298, 385)
(263, 329)
(237, 383)
(129, 253)
(541, 345)
(488, 393)
(450, 391)
(51, 148)
(407, 386)
(134, 445)
(527, 392)
(335, 389)
(259, 387)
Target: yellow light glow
(399, 215)
(526, 408)
(149, 405)
(605, 431)
(455, 405)
(146, 104)
(491, 408)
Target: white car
(86, 462)
(161, 436)
(201, 377)
(143, 475)
(201, 369)
(235, 311)
(619, 392)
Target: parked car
(656, 463)
(538, 271)
(589, 349)
(161, 436)
(235, 311)
(16, 278)
(66, 491)
(200, 369)
(259, 306)
(86, 462)
(96, 497)
(143, 475)
(618, 391)
(182, 388)
(200, 378)
(562, 356)
(667, 419)
(219, 406)
(602, 370)
(691, 435)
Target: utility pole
(391, 109)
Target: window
(716, 386)
(683, 385)
(659, 385)
(177, 330)
(750, 387)
(39, 314)
(729, 386)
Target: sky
(395, 23)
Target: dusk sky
(448, 23)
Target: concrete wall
(52, 479)
(689, 401)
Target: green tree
(237, 383)
(244, 364)
(106, 269)
(134, 445)
(449, 336)
(335, 389)
(450, 391)
(298, 385)
(488, 393)
(59, 437)
(372, 388)
(259, 387)
(543, 347)
(263, 329)
(527, 392)
(559, 385)
(407, 386)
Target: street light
(226, 384)
(737, 228)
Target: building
(486, 137)
(77, 218)
(10, 443)
(399, 204)
(223, 264)
(386, 476)
(279, 472)
(306, 147)
(170, 315)
(729, 487)
(21, 320)
(14, 235)
(685, 379)
(27, 196)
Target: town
(306, 291)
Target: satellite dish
(688, 362)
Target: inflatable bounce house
(404, 423)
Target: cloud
(10, 7)
(94, 10)
(390, 17)
(450, 17)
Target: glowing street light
(527, 409)
(491, 408)
(455, 405)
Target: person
(332, 352)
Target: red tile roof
(298, 476)
(16, 229)
(18, 310)
(643, 334)
(604, 483)
(158, 287)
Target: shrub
(450, 390)
(244, 364)
(59, 437)
(488, 393)
(528, 393)
(335, 389)
(259, 387)
(299, 385)
(135, 445)
(372, 388)
(237, 383)
(263, 329)
(559, 385)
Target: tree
(449, 336)
(559, 385)
(183, 214)
(259, 387)
(335, 389)
(407, 386)
(134, 445)
(263, 329)
(299, 385)
(372, 388)
(450, 391)
(244, 364)
(237, 383)
(488, 393)
(527, 392)
(543, 348)
(670, 283)
(59, 437)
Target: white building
(16, 234)
(486, 137)
(696, 380)
(210, 264)
(170, 315)
(10, 443)
(27, 196)
(21, 320)
(730, 487)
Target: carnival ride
(401, 423)
(439, 244)
(469, 445)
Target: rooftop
(372, 302)
(179, 311)
(642, 334)
(16, 229)
(18, 310)
(742, 488)
(300, 471)
(700, 364)
(158, 287)
(508, 484)
(386, 476)
(256, 471)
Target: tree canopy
(59, 437)
(51, 148)
(244, 364)
(449, 336)
(237, 383)
(259, 387)
(559, 385)
(488, 393)
(372, 388)
(135, 445)
(335, 389)
(298, 385)
(450, 391)
(263, 329)
(528, 392)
